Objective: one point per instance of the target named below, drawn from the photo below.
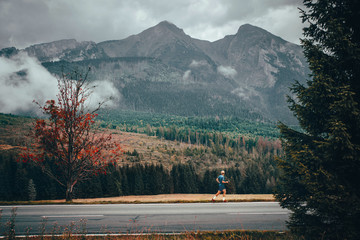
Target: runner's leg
(224, 195)
(217, 194)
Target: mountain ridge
(162, 69)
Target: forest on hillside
(147, 122)
(200, 149)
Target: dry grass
(230, 234)
(6, 147)
(165, 198)
(153, 150)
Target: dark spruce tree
(321, 165)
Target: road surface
(145, 218)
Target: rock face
(164, 70)
(68, 50)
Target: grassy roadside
(161, 198)
(231, 234)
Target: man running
(221, 181)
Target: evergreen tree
(5, 193)
(175, 175)
(238, 178)
(192, 178)
(208, 185)
(116, 175)
(110, 182)
(154, 179)
(89, 189)
(124, 181)
(20, 183)
(149, 180)
(135, 179)
(230, 187)
(46, 188)
(321, 166)
(32, 190)
(166, 185)
(254, 181)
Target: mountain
(162, 69)
(164, 41)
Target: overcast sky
(27, 22)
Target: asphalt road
(145, 218)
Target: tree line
(139, 122)
(218, 141)
(23, 181)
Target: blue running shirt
(221, 184)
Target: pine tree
(321, 165)
(175, 175)
(136, 180)
(124, 180)
(5, 192)
(32, 190)
(20, 182)
(208, 183)
(166, 182)
(116, 176)
(230, 187)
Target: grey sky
(27, 22)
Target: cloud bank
(227, 71)
(187, 76)
(27, 22)
(104, 91)
(24, 80)
(201, 63)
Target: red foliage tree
(68, 140)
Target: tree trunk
(69, 192)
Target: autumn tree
(67, 147)
(321, 166)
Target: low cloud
(227, 71)
(245, 92)
(104, 91)
(23, 79)
(187, 75)
(196, 64)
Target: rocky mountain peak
(164, 30)
(250, 28)
(167, 25)
(249, 32)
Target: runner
(221, 181)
